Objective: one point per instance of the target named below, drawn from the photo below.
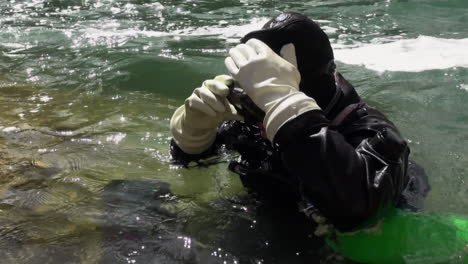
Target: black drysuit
(351, 164)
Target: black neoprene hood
(313, 50)
(314, 53)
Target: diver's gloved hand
(264, 75)
(194, 124)
(271, 81)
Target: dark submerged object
(138, 226)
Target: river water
(87, 88)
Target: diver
(318, 144)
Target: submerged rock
(144, 223)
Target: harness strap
(345, 113)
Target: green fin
(406, 237)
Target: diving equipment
(407, 237)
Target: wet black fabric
(351, 172)
(314, 53)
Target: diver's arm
(350, 186)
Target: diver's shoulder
(358, 112)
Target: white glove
(194, 124)
(271, 81)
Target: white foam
(411, 55)
(382, 54)
(229, 32)
(109, 32)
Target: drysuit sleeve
(227, 132)
(180, 157)
(351, 178)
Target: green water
(87, 88)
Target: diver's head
(314, 54)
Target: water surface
(87, 88)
